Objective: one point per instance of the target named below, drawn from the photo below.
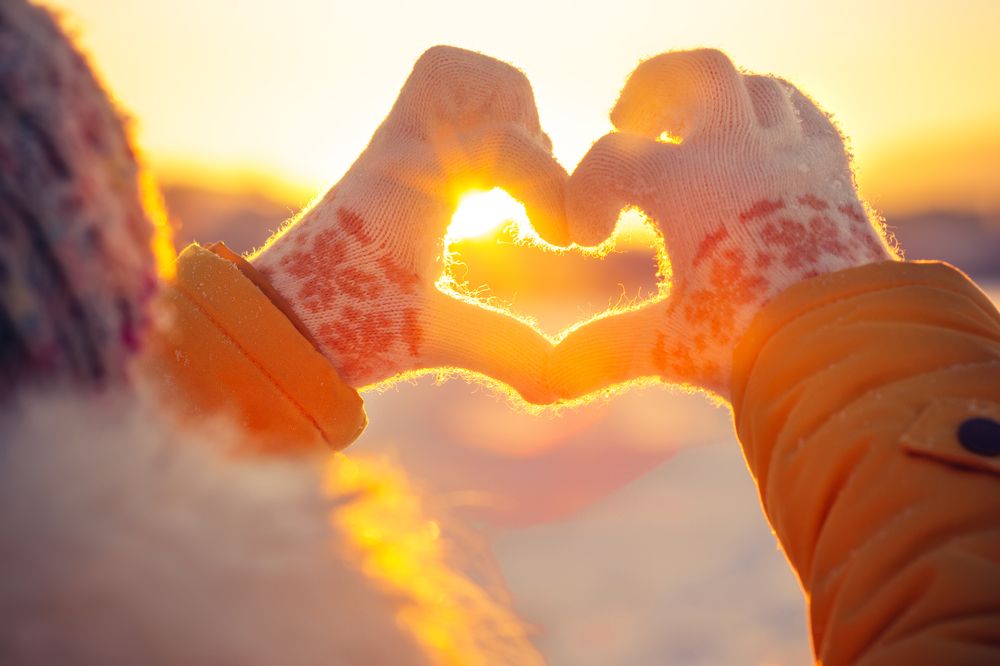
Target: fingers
(466, 335)
(684, 93)
(459, 89)
(478, 115)
(606, 352)
(772, 105)
(820, 133)
(509, 158)
(619, 171)
(814, 121)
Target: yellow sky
(294, 88)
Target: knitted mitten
(76, 266)
(751, 186)
(359, 268)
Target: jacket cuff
(819, 292)
(226, 347)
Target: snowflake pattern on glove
(751, 187)
(362, 335)
(793, 245)
(359, 268)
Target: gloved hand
(359, 267)
(751, 186)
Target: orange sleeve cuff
(223, 347)
(849, 393)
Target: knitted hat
(76, 264)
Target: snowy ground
(679, 567)
(629, 532)
(675, 566)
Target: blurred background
(628, 531)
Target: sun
(479, 213)
(667, 136)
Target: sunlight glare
(479, 213)
(393, 539)
(666, 136)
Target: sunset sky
(289, 92)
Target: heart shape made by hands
(745, 175)
(751, 182)
(494, 258)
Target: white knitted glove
(359, 267)
(757, 195)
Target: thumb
(510, 158)
(606, 352)
(616, 172)
(466, 335)
(685, 93)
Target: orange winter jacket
(868, 406)
(224, 344)
(867, 403)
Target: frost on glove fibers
(359, 267)
(751, 186)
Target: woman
(865, 390)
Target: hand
(359, 267)
(752, 189)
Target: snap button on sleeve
(980, 436)
(957, 431)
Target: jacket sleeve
(223, 345)
(867, 403)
